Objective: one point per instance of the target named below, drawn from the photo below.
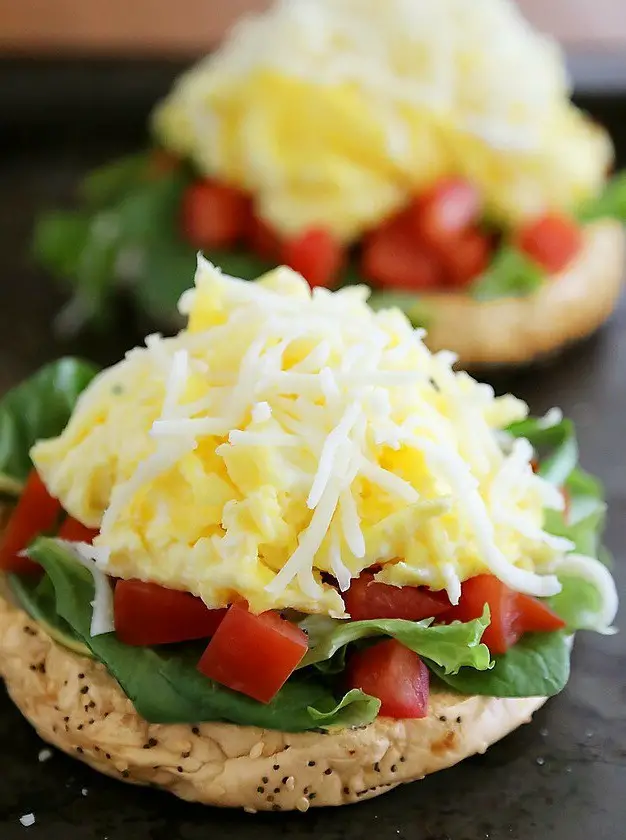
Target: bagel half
(568, 307)
(76, 705)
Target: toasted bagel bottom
(569, 306)
(75, 704)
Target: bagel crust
(75, 704)
(569, 306)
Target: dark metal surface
(561, 777)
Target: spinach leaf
(451, 646)
(164, 683)
(511, 274)
(37, 597)
(611, 203)
(58, 241)
(37, 408)
(537, 666)
(110, 183)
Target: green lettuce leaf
(611, 203)
(511, 274)
(164, 683)
(418, 313)
(451, 646)
(556, 444)
(537, 666)
(579, 603)
(37, 408)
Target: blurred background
(78, 79)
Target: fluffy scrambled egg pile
(287, 435)
(336, 112)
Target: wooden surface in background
(189, 27)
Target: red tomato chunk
(316, 255)
(149, 614)
(367, 599)
(75, 531)
(36, 512)
(393, 258)
(253, 654)
(394, 674)
(214, 215)
(445, 211)
(512, 614)
(552, 241)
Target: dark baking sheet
(561, 777)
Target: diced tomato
(449, 208)
(36, 513)
(512, 614)
(75, 531)
(368, 599)
(503, 631)
(466, 258)
(264, 240)
(393, 259)
(552, 241)
(394, 674)
(535, 617)
(316, 255)
(149, 614)
(214, 215)
(253, 654)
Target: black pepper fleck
(311, 764)
(328, 771)
(351, 752)
(79, 727)
(265, 780)
(66, 719)
(186, 754)
(346, 790)
(443, 718)
(195, 730)
(108, 756)
(270, 798)
(97, 749)
(260, 789)
(92, 704)
(33, 667)
(86, 707)
(84, 689)
(80, 750)
(305, 791)
(393, 768)
(377, 767)
(179, 768)
(277, 790)
(91, 721)
(458, 720)
(402, 759)
(312, 796)
(81, 676)
(276, 767)
(125, 774)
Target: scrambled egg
(336, 112)
(287, 433)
